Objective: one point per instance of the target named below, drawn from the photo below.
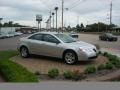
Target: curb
(114, 76)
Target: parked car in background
(6, 35)
(57, 45)
(2, 36)
(17, 33)
(108, 37)
(11, 34)
(74, 35)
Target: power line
(76, 4)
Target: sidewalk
(108, 77)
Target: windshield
(65, 38)
(109, 34)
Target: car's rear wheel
(70, 57)
(24, 52)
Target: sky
(79, 11)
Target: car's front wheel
(70, 57)
(24, 52)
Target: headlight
(81, 49)
(85, 49)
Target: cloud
(25, 11)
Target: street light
(53, 19)
(56, 9)
(0, 24)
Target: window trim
(52, 36)
(36, 39)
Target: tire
(70, 57)
(115, 39)
(24, 52)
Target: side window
(36, 37)
(50, 38)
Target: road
(10, 43)
(113, 47)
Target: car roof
(47, 33)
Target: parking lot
(113, 47)
(43, 64)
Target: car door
(36, 44)
(52, 46)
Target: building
(27, 30)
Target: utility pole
(110, 13)
(0, 23)
(62, 13)
(50, 20)
(56, 9)
(53, 19)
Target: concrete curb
(108, 77)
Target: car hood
(81, 44)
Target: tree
(101, 27)
(82, 26)
(78, 28)
(11, 24)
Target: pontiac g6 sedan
(58, 45)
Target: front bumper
(87, 56)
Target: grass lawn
(13, 72)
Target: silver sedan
(58, 45)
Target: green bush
(109, 65)
(76, 75)
(68, 74)
(52, 73)
(37, 73)
(101, 67)
(112, 57)
(99, 52)
(13, 72)
(117, 65)
(105, 54)
(90, 69)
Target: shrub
(74, 75)
(99, 52)
(117, 65)
(112, 57)
(77, 75)
(109, 66)
(52, 73)
(68, 74)
(90, 69)
(37, 73)
(101, 67)
(14, 72)
(105, 54)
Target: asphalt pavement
(112, 47)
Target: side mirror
(57, 42)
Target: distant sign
(38, 17)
